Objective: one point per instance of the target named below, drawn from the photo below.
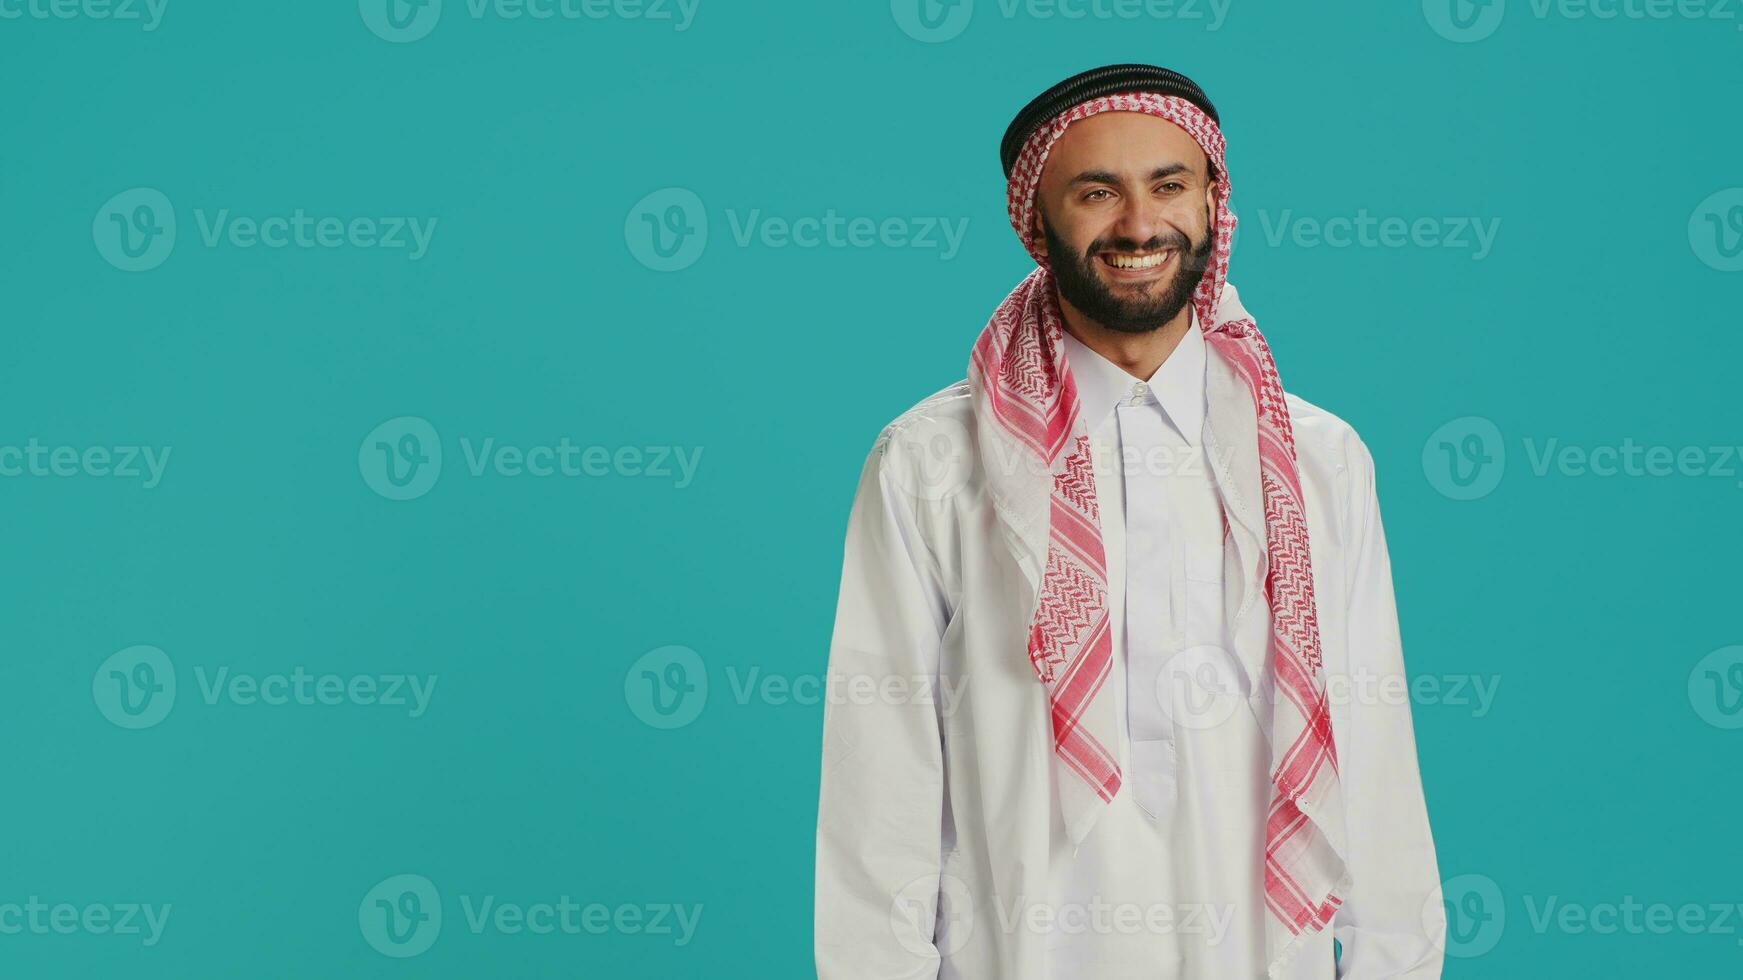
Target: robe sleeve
(1394, 877)
(880, 812)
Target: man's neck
(1138, 354)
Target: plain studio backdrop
(427, 434)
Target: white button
(1139, 392)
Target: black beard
(1083, 287)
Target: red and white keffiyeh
(1026, 405)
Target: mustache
(1176, 241)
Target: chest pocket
(1199, 544)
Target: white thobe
(940, 852)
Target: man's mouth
(1135, 265)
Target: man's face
(1124, 207)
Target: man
(1093, 601)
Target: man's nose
(1141, 221)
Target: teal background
(1594, 776)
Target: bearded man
(1116, 622)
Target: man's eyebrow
(1109, 177)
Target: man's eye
(1173, 187)
(1099, 194)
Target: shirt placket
(1150, 605)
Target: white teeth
(1150, 261)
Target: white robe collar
(1178, 384)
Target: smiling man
(1142, 564)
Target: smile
(1140, 262)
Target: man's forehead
(1117, 139)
